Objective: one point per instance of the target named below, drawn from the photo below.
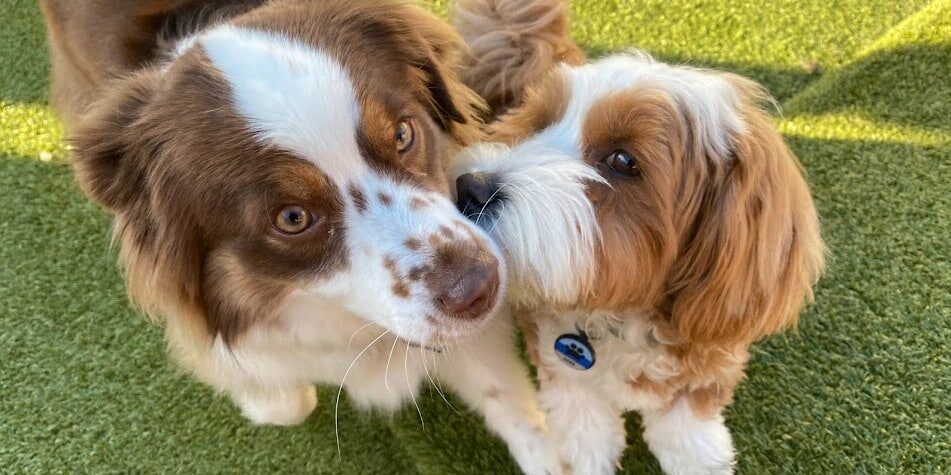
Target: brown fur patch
(358, 198)
(417, 203)
(93, 42)
(635, 213)
(390, 264)
(417, 273)
(544, 104)
(400, 283)
(446, 232)
(413, 244)
(384, 199)
(400, 289)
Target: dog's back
(513, 43)
(94, 41)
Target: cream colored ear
(513, 44)
(757, 251)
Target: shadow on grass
(782, 83)
(909, 85)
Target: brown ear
(454, 106)
(112, 159)
(107, 166)
(753, 250)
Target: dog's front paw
(536, 453)
(591, 455)
(283, 408)
(686, 444)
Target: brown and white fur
(672, 264)
(277, 175)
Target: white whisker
(358, 330)
(339, 391)
(498, 218)
(486, 204)
(386, 371)
(410, 388)
(422, 357)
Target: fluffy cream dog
(655, 225)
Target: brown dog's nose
(468, 284)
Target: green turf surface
(863, 388)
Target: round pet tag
(575, 351)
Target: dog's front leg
(687, 443)
(276, 406)
(589, 430)
(489, 374)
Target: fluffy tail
(513, 43)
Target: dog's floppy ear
(753, 249)
(454, 106)
(112, 158)
(108, 168)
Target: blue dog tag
(575, 351)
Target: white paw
(687, 445)
(589, 431)
(708, 460)
(536, 454)
(284, 408)
(588, 457)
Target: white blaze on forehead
(292, 95)
(709, 100)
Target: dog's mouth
(480, 198)
(413, 344)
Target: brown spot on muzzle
(401, 290)
(413, 244)
(446, 232)
(418, 203)
(359, 199)
(400, 284)
(417, 272)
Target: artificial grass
(85, 385)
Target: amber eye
(405, 135)
(622, 162)
(293, 220)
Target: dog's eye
(622, 162)
(405, 135)
(293, 220)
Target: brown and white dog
(655, 225)
(277, 175)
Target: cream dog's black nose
(476, 193)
